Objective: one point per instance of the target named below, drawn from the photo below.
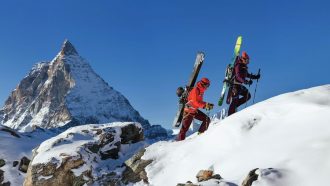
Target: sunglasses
(205, 84)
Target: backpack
(183, 93)
(230, 73)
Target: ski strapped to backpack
(230, 70)
(182, 93)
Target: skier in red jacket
(237, 89)
(195, 101)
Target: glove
(255, 76)
(248, 82)
(209, 106)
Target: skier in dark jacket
(195, 101)
(237, 89)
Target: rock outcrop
(135, 169)
(85, 155)
(24, 164)
(2, 178)
(207, 177)
(268, 176)
(2, 162)
(250, 178)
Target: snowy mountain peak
(66, 92)
(68, 48)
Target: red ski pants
(188, 118)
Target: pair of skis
(197, 66)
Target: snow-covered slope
(14, 146)
(91, 99)
(66, 91)
(290, 133)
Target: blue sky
(146, 48)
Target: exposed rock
(217, 176)
(131, 134)
(1, 176)
(15, 163)
(2, 162)
(68, 48)
(110, 179)
(36, 101)
(251, 177)
(204, 175)
(135, 168)
(5, 184)
(49, 174)
(207, 176)
(2, 179)
(79, 155)
(112, 153)
(24, 164)
(267, 176)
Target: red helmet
(205, 81)
(245, 55)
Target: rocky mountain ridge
(67, 92)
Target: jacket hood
(201, 87)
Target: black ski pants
(236, 100)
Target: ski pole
(255, 90)
(247, 94)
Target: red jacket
(195, 98)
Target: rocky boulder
(2, 162)
(24, 164)
(85, 155)
(207, 177)
(204, 175)
(15, 163)
(135, 169)
(250, 178)
(2, 178)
